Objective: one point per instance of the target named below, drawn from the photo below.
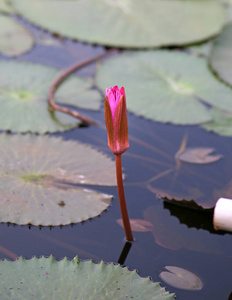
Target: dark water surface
(182, 237)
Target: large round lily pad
(15, 39)
(46, 278)
(221, 54)
(24, 93)
(166, 86)
(126, 23)
(37, 174)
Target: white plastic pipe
(222, 218)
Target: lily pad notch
(43, 277)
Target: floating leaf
(198, 156)
(144, 24)
(138, 225)
(221, 124)
(221, 54)
(37, 174)
(23, 98)
(46, 278)
(227, 4)
(201, 50)
(181, 278)
(5, 7)
(15, 39)
(170, 86)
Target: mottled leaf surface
(166, 86)
(221, 122)
(46, 278)
(37, 174)
(15, 39)
(221, 54)
(24, 98)
(145, 23)
(5, 7)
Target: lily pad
(46, 278)
(15, 39)
(221, 123)
(166, 86)
(144, 24)
(37, 177)
(221, 54)
(181, 278)
(5, 7)
(23, 98)
(198, 156)
(202, 50)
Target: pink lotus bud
(116, 120)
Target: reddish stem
(122, 200)
(54, 106)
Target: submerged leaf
(138, 225)
(23, 98)
(46, 278)
(181, 278)
(144, 24)
(198, 156)
(170, 86)
(221, 54)
(15, 39)
(170, 234)
(37, 176)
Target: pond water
(181, 236)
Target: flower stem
(61, 77)
(122, 200)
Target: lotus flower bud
(116, 120)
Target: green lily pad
(166, 86)
(144, 24)
(227, 4)
(202, 50)
(23, 98)
(46, 278)
(221, 122)
(37, 177)
(221, 54)
(5, 7)
(15, 39)
(181, 278)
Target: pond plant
(61, 228)
(118, 142)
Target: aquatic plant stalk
(122, 200)
(117, 131)
(61, 77)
